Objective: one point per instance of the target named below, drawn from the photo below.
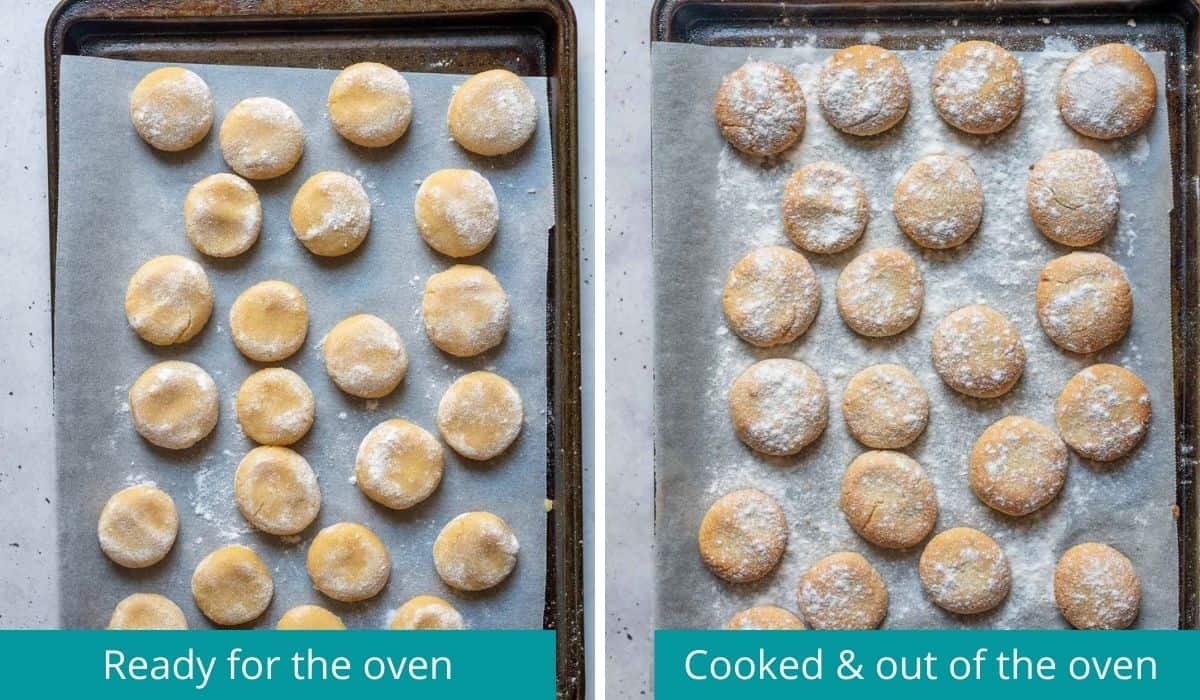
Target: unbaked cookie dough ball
(771, 296)
(1084, 302)
(262, 138)
(939, 202)
(1103, 412)
(843, 592)
(370, 104)
(888, 499)
(885, 407)
(275, 406)
(309, 617)
(174, 404)
(147, 611)
(399, 464)
(465, 310)
(978, 352)
(1108, 92)
(743, 536)
(1073, 197)
(365, 356)
(978, 87)
(765, 617)
(965, 571)
(824, 208)
(778, 406)
(426, 612)
(269, 321)
(277, 490)
(880, 293)
(232, 585)
(171, 108)
(492, 113)
(169, 299)
(475, 551)
(457, 212)
(222, 215)
(1097, 588)
(863, 90)
(348, 562)
(1018, 465)
(760, 109)
(138, 526)
(480, 415)
(331, 214)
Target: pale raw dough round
(743, 536)
(277, 490)
(399, 464)
(457, 212)
(475, 551)
(492, 113)
(978, 87)
(269, 321)
(1073, 197)
(1097, 588)
(370, 104)
(138, 526)
(169, 299)
(825, 208)
(426, 612)
(888, 499)
(778, 406)
(309, 617)
(365, 357)
(147, 611)
(465, 310)
(939, 202)
(1018, 465)
(843, 592)
(262, 138)
(1084, 302)
(480, 415)
(348, 562)
(331, 214)
(232, 585)
(222, 215)
(881, 293)
(765, 617)
(1108, 92)
(760, 109)
(171, 108)
(1103, 412)
(978, 352)
(275, 406)
(771, 296)
(864, 90)
(174, 404)
(885, 407)
(965, 571)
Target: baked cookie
(778, 406)
(888, 499)
(825, 208)
(1107, 92)
(978, 352)
(1018, 465)
(885, 407)
(743, 535)
(938, 202)
(760, 109)
(1096, 587)
(1103, 412)
(863, 90)
(771, 296)
(965, 571)
(978, 87)
(1073, 197)
(1084, 302)
(880, 293)
(765, 617)
(843, 592)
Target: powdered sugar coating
(138, 526)
(348, 562)
(743, 535)
(1096, 587)
(275, 406)
(222, 215)
(457, 212)
(465, 310)
(168, 300)
(881, 293)
(171, 108)
(825, 208)
(331, 213)
(888, 499)
(1018, 465)
(426, 612)
(760, 109)
(475, 551)
(370, 104)
(778, 406)
(939, 202)
(843, 592)
(1073, 196)
(885, 407)
(492, 113)
(277, 490)
(771, 296)
(399, 464)
(978, 87)
(480, 415)
(978, 352)
(174, 404)
(262, 138)
(1103, 412)
(965, 571)
(863, 90)
(1108, 92)
(232, 585)
(365, 356)
(1084, 302)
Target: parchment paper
(120, 203)
(712, 206)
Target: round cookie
(880, 293)
(1018, 465)
(168, 300)
(222, 215)
(480, 415)
(760, 109)
(1084, 302)
(309, 617)
(365, 356)
(842, 592)
(138, 526)
(457, 212)
(863, 90)
(426, 612)
(348, 562)
(771, 296)
(261, 138)
(492, 113)
(331, 214)
(978, 352)
(275, 407)
(885, 407)
(232, 585)
(475, 551)
(1096, 587)
(370, 104)
(765, 617)
(888, 499)
(171, 108)
(965, 571)
(465, 310)
(1073, 197)
(399, 464)
(778, 406)
(147, 611)
(1103, 412)
(174, 404)
(1107, 92)
(825, 208)
(277, 490)
(743, 536)
(269, 321)
(938, 202)
(978, 87)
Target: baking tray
(528, 37)
(1022, 25)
